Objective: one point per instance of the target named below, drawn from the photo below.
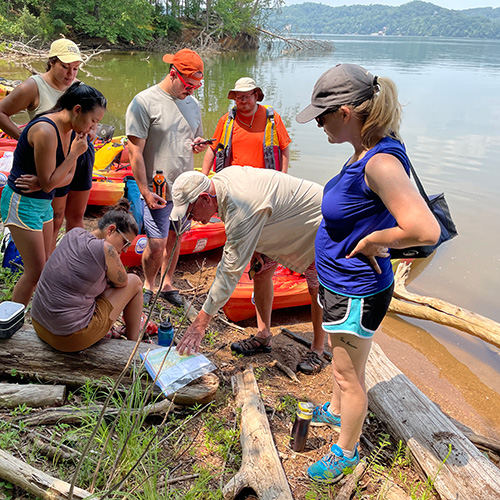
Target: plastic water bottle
(301, 425)
(160, 184)
(6, 162)
(165, 334)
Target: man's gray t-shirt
(169, 126)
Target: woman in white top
(38, 94)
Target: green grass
(8, 280)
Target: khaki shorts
(98, 327)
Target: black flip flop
(172, 296)
(147, 295)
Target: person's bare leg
(318, 343)
(263, 290)
(350, 355)
(129, 300)
(169, 276)
(59, 207)
(75, 208)
(31, 246)
(152, 260)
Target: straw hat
(245, 84)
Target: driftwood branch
(459, 470)
(35, 396)
(18, 52)
(301, 340)
(35, 481)
(349, 486)
(104, 361)
(293, 44)
(285, 369)
(261, 468)
(67, 415)
(440, 311)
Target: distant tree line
(412, 19)
(130, 21)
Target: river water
(451, 126)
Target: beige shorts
(99, 325)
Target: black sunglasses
(319, 119)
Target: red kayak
(290, 290)
(200, 238)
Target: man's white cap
(186, 189)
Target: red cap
(187, 62)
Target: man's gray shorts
(157, 222)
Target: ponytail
(120, 216)
(381, 115)
(78, 93)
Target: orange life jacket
(270, 143)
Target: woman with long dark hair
(46, 149)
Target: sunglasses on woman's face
(320, 119)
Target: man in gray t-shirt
(163, 125)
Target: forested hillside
(412, 19)
(136, 22)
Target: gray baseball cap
(342, 84)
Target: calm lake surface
(451, 127)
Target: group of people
(339, 235)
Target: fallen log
(66, 415)
(440, 311)
(34, 396)
(34, 359)
(459, 471)
(261, 468)
(35, 481)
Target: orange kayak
(105, 192)
(200, 238)
(290, 290)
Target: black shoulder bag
(438, 206)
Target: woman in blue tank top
(369, 207)
(46, 151)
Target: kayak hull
(290, 290)
(106, 193)
(200, 238)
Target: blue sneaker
(331, 467)
(321, 416)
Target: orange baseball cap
(187, 62)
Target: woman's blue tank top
(24, 160)
(351, 210)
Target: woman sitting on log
(48, 149)
(369, 207)
(84, 286)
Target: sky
(447, 4)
